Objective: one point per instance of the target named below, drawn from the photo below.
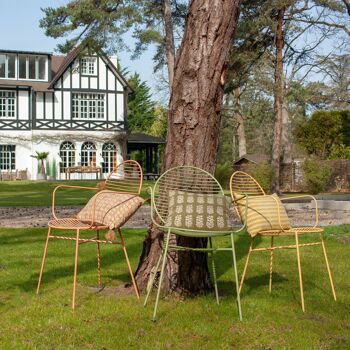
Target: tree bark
(193, 127)
(286, 134)
(169, 40)
(278, 97)
(239, 119)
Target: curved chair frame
(127, 178)
(194, 180)
(246, 185)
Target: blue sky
(19, 28)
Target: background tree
(322, 132)
(141, 115)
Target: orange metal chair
(246, 186)
(125, 179)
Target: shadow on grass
(55, 273)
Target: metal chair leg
(128, 263)
(300, 275)
(161, 275)
(75, 268)
(43, 260)
(328, 267)
(214, 271)
(236, 277)
(246, 265)
(98, 260)
(151, 282)
(271, 261)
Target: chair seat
(291, 231)
(73, 224)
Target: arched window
(67, 154)
(109, 155)
(88, 154)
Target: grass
(38, 193)
(107, 321)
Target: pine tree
(141, 114)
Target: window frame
(88, 154)
(84, 105)
(67, 155)
(36, 67)
(84, 68)
(7, 64)
(10, 150)
(109, 156)
(14, 97)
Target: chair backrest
(243, 183)
(182, 178)
(127, 177)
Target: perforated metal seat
(243, 185)
(126, 178)
(74, 224)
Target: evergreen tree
(141, 107)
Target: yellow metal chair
(124, 185)
(243, 188)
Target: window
(88, 154)
(88, 65)
(88, 106)
(7, 104)
(67, 154)
(109, 155)
(8, 66)
(32, 67)
(7, 157)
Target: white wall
(28, 142)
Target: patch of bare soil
(343, 239)
(120, 291)
(39, 216)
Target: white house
(74, 107)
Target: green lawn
(107, 321)
(33, 193)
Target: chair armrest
(154, 209)
(305, 196)
(66, 186)
(101, 185)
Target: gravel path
(39, 216)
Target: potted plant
(40, 157)
(52, 173)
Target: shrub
(340, 152)
(263, 174)
(316, 175)
(47, 167)
(53, 168)
(223, 173)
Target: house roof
(253, 158)
(139, 137)
(67, 60)
(35, 85)
(59, 64)
(26, 52)
(71, 56)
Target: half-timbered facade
(74, 107)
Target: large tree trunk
(286, 134)
(193, 127)
(169, 40)
(278, 95)
(238, 117)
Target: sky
(19, 28)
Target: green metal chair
(190, 193)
